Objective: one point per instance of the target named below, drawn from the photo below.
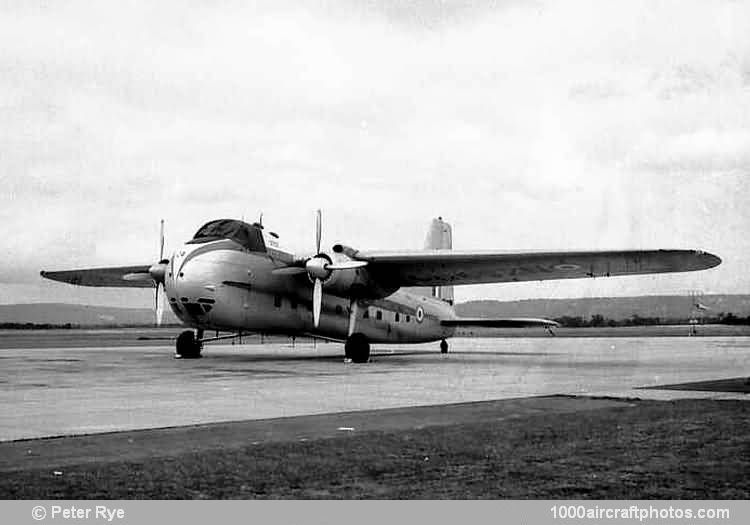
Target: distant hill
(617, 308)
(76, 314)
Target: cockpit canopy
(249, 236)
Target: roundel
(420, 314)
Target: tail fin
(439, 237)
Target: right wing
(447, 267)
(119, 277)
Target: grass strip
(685, 449)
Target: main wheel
(357, 348)
(187, 346)
(443, 346)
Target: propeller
(319, 268)
(158, 272)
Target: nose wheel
(443, 346)
(188, 346)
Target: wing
(511, 322)
(447, 267)
(120, 277)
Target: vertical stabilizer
(439, 237)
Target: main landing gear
(357, 348)
(443, 346)
(188, 345)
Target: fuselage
(219, 284)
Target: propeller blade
(159, 305)
(318, 230)
(346, 265)
(288, 270)
(161, 241)
(317, 301)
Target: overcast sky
(527, 125)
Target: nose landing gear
(443, 346)
(188, 345)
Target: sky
(527, 125)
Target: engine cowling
(356, 283)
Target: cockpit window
(245, 234)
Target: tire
(443, 346)
(187, 347)
(357, 348)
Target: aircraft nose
(192, 277)
(188, 284)
(191, 294)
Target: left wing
(120, 277)
(449, 267)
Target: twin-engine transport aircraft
(233, 276)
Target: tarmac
(88, 389)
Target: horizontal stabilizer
(118, 277)
(511, 322)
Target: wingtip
(709, 259)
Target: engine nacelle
(356, 282)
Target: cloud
(531, 125)
(708, 150)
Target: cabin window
(379, 315)
(408, 319)
(398, 317)
(338, 309)
(277, 301)
(366, 315)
